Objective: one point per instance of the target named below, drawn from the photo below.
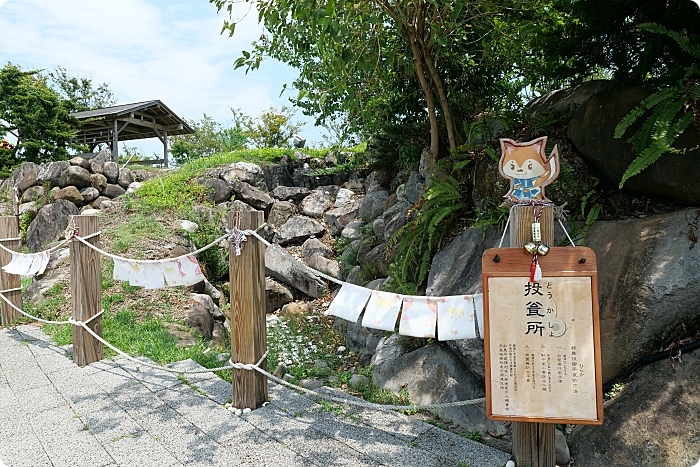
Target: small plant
(474, 435)
(672, 110)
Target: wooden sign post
(542, 339)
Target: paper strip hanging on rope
(349, 302)
(27, 265)
(182, 271)
(121, 270)
(479, 308)
(456, 318)
(418, 317)
(382, 310)
(147, 275)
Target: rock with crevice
(50, 223)
(297, 229)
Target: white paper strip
(121, 270)
(349, 302)
(382, 310)
(418, 317)
(479, 307)
(45, 258)
(456, 318)
(188, 270)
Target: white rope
(35, 318)
(53, 248)
(566, 232)
(140, 362)
(121, 258)
(10, 290)
(505, 229)
(14, 239)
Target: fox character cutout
(528, 168)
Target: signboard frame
(561, 262)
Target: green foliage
(35, 114)
(273, 128)
(434, 218)
(210, 137)
(134, 228)
(176, 191)
(214, 260)
(670, 111)
(79, 93)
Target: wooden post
(248, 331)
(86, 292)
(533, 443)
(9, 229)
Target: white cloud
(147, 49)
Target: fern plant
(436, 214)
(673, 109)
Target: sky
(150, 49)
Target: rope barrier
(21, 311)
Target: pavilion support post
(248, 331)
(9, 237)
(533, 443)
(86, 292)
(115, 143)
(165, 148)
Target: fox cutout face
(528, 168)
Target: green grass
(134, 228)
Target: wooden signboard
(542, 339)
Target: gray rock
(358, 380)
(279, 174)
(372, 205)
(415, 186)
(238, 205)
(36, 292)
(217, 190)
(647, 283)
(653, 421)
(377, 181)
(362, 340)
(100, 201)
(97, 166)
(125, 178)
(288, 270)
(50, 223)
(355, 276)
(50, 172)
(352, 230)
(314, 246)
(201, 320)
(219, 335)
(565, 101)
(134, 186)
(23, 177)
(281, 212)
(32, 193)
(88, 210)
(433, 374)
(276, 295)
(366, 245)
(111, 172)
(561, 448)
(112, 191)
(344, 197)
(395, 218)
(297, 229)
(243, 171)
(28, 207)
(336, 219)
(286, 193)
(99, 182)
(104, 155)
(311, 383)
(378, 227)
(80, 162)
(89, 194)
(75, 176)
(325, 265)
(207, 302)
(378, 258)
(252, 196)
(316, 204)
(70, 193)
(141, 175)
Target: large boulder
(112, 191)
(75, 176)
(125, 178)
(22, 178)
(654, 420)
(297, 229)
(336, 219)
(111, 172)
(372, 205)
(281, 212)
(243, 171)
(50, 223)
(217, 190)
(279, 174)
(287, 193)
(591, 130)
(50, 173)
(276, 295)
(70, 193)
(288, 270)
(316, 204)
(256, 198)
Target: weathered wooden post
(9, 236)
(542, 336)
(248, 324)
(86, 292)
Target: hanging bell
(542, 250)
(530, 248)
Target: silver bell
(530, 247)
(542, 250)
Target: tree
(209, 137)
(35, 115)
(408, 56)
(79, 93)
(273, 128)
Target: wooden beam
(9, 229)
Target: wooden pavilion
(126, 122)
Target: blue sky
(148, 49)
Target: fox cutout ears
(528, 168)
